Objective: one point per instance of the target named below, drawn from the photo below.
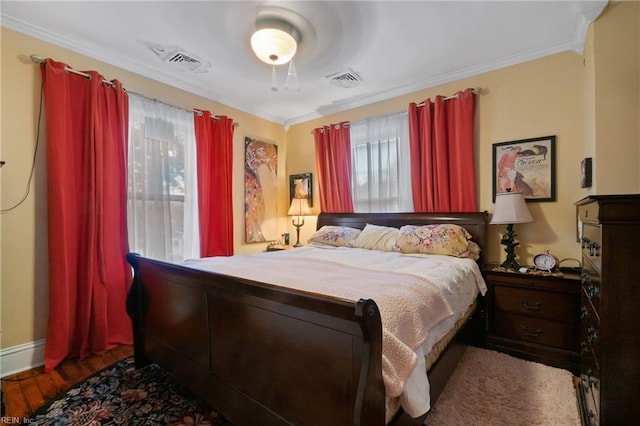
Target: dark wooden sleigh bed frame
(266, 355)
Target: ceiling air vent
(345, 79)
(179, 57)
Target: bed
(261, 353)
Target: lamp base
(298, 226)
(508, 240)
(511, 264)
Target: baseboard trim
(21, 357)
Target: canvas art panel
(260, 191)
(526, 166)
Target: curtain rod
(391, 115)
(476, 91)
(347, 124)
(40, 60)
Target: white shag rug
(491, 388)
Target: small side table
(534, 316)
(278, 247)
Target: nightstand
(278, 247)
(534, 317)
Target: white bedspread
(459, 281)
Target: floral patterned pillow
(446, 239)
(337, 236)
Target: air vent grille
(345, 79)
(177, 56)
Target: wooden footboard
(268, 355)
(258, 353)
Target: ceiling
(394, 47)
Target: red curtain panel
(333, 163)
(87, 125)
(214, 152)
(441, 140)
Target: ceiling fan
(278, 34)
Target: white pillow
(376, 237)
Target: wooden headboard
(475, 222)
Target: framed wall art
(260, 191)
(527, 166)
(300, 186)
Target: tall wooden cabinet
(609, 231)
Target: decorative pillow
(375, 237)
(337, 236)
(446, 239)
(474, 250)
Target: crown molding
(589, 11)
(102, 55)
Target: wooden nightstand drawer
(540, 304)
(534, 316)
(536, 330)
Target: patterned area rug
(488, 388)
(121, 395)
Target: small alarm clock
(545, 261)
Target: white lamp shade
(511, 208)
(299, 207)
(273, 45)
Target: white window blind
(381, 168)
(162, 188)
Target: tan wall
(538, 98)
(23, 273)
(616, 65)
(589, 106)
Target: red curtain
(214, 152)
(87, 125)
(333, 162)
(441, 140)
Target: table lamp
(510, 208)
(299, 207)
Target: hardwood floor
(25, 392)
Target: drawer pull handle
(584, 313)
(583, 347)
(592, 291)
(530, 333)
(535, 307)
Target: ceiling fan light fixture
(274, 46)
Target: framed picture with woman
(526, 166)
(300, 186)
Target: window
(162, 193)
(381, 168)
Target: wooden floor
(25, 392)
